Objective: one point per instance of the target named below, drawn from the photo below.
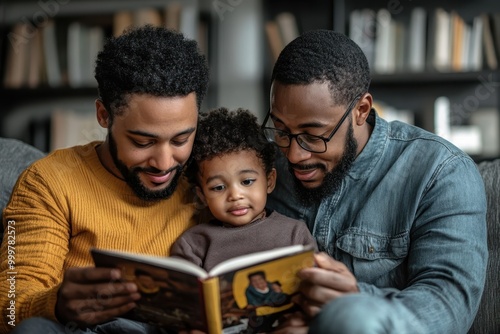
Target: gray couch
(16, 156)
(488, 317)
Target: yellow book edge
(211, 297)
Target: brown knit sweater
(62, 206)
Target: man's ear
(271, 180)
(362, 109)
(200, 195)
(102, 114)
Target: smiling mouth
(305, 175)
(158, 179)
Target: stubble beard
(333, 179)
(131, 176)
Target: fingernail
(115, 274)
(131, 287)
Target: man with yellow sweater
(125, 193)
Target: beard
(333, 179)
(131, 176)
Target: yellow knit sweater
(62, 206)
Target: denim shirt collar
(374, 149)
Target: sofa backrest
(488, 317)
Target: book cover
(245, 293)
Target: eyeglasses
(311, 143)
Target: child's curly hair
(221, 131)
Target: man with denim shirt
(400, 211)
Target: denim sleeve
(447, 258)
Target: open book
(248, 293)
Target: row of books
(62, 53)
(439, 40)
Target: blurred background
(434, 65)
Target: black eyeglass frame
(324, 139)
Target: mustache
(154, 170)
(291, 166)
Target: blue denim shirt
(409, 221)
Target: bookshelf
(64, 77)
(399, 88)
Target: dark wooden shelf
(45, 92)
(424, 78)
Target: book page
(254, 258)
(170, 298)
(254, 299)
(160, 261)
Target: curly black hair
(149, 60)
(324, 56)
(221, 131)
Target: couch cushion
(488, 316)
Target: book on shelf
(70, 128)
(18, 56)
(417, 39)
(476, 45)
(145, 16)
(84, 42)
(172, 14)
(443, 41)
(457, 41)
(122, 20)
(362, 32)
(385, 43)
(178, 295)
(495, 27)
(36, 62)
(51, 55)
(274, 39)
(488, 44)
(287, 25)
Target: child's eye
(218, 188)
(248, 182)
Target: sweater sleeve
(183, 248)
(33, 250)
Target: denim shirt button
(371, 249)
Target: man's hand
(320, 285)
(89, 296)
(293, 323)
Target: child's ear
(271, 180)
(200, 195)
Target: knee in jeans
(351, 314)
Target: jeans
(364, 314)
(115, 326)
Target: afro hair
(149, 60)
(324, 56)
(221, 131)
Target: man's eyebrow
(152, 135)
(312, 124)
